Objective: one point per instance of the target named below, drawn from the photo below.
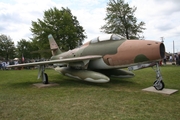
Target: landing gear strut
(158, 83)
(43, 75)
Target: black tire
(45, 78)
(160, 86)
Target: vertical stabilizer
(53, 45)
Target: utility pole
(173, 51)
(162, 39)
(173, 47)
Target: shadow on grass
(70, 82)
(67, 82)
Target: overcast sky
(160, 16)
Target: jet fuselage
(118, 52)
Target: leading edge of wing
(66, 60)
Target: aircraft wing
(66, 60)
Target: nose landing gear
(158, 83)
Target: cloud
(160, 16)
(16, 18)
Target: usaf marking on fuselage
(103, 57)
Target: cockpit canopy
(107, 38)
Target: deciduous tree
(7, 48)
(25, 49)
(64, 27)
(120, 19)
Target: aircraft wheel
(45, 78)
(158, 85)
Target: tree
(120, 20)
(7, 48)
(25, 49)
(62, 25)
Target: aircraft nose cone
(135, 51)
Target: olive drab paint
(102, 57)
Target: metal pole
(173, 51)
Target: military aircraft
(104, 57)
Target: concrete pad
(164, 91)
(41, 85)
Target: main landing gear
(42, 74)
(158, 83)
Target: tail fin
(53, 45)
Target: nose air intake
(162, 50)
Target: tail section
(53, 45)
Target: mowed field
(120, 99)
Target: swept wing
(66, 60)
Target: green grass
(120, 99)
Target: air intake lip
(162, 50)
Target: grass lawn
(120, 99)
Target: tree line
(68, 32)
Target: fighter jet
(104, 57)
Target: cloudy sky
(161, 17)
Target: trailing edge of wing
(66, 60)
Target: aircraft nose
(136, 51)
(147, 50)
(156, 48)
